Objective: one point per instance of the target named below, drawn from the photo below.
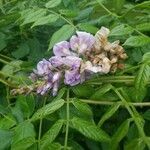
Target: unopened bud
(123, 56)
(114, 60)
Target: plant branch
(136, 6)
(99, 102)
(101, 79)
(134, 116)
(62, 17)
(107, 10)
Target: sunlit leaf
(137, 41)
(146, 57)
(141, 80)
(121, 30)
(23, 144)
(23, 131)
(53, 3)
(33, 15)
(88, 28)
(46, 20)
(47, 109)
(62, 34)
(143, 27)
(136, 144)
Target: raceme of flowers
(74, 61)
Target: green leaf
(85, 13)
(146, 57)
(121, 30)
(23, 144)
(47, 109)
(106, 88)
(53, 3)
(136, 144)
(141, 80)
(120, 134)
(146, 115)
(68, 12)
(118, 4)
(82, 107)
(109, 113)
(82, 90)
(52, 133)
(22, 51)
(36, 51)
(27, 104)
(33, 15)
(137, 41)
(3, 43)
(23, 131)
(74, 145)
(87, 27)
(7, 122)
(143, 26)
(63, 33)
(60, 94)
(136, 54)
(45, 20)
(52, 146)
(89, 130)
(12, 67)
(5, 139)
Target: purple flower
(56, 77)
(56, 81)
(51, 82)
(55, 88)
(73, 62)
(62, 49)
(89, 67)
(56, 61)
(43, 67)
(82, 42)
(33, 76)
(44, 88)
(72, 77)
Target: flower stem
(67, 121)
(99, 102)
(110, 79)
(107, 10)
(62, 17)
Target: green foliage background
(105, 113)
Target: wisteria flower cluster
(74, 61)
